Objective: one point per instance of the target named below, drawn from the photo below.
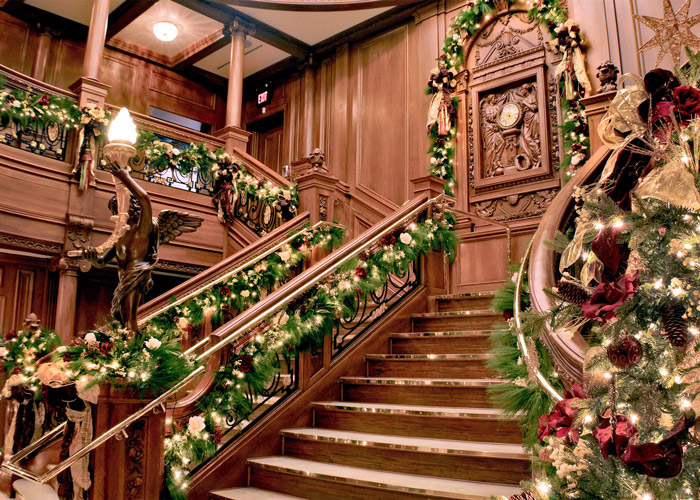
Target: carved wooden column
(232, 133)
(41, 55)
(308, 124)
(316, 186)
(130, 468)
(89, 88)
(434, 267)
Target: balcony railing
(51, 141)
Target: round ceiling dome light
(165, 31)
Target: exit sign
(264, 98)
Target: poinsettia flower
(561, 420)
(608, 296)
(614, 445)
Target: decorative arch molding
(318, 5)
(509, 118)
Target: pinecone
(525, 495)
(675, 325)
(572, 292)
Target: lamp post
(122, 136)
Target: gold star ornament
(671, 32)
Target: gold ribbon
(672, 183)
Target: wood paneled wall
(136, 83)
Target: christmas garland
(566, 38)
(20, 109)
(227, 176)
(20, 353)
(154, 360)
(521, 394)
(288, 332)
(630, 274)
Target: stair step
(323, 481)
(465, 301)
(455, 459)
(458, 342)
(249, 494)
(436, 365)
(455, 320)
(470, 393)
(443, 422)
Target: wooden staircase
(419, 425)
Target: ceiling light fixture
(165, 31)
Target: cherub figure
(136, 251)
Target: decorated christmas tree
(630, 275)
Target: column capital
(238, 25)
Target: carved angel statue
(137, 250)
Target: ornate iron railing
(371, 307)
(197, 181)
(237, 333)
(46, 140)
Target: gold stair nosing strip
(453, 334)
(505, 455)
(413, 412)
(421, 382)
(456, 314)
(457, 296)
(429, 357)
(372, 484)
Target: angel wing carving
(172, 223)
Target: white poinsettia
(245, 293)
(406, 238)
(196, 424)
(90, 337)
(153, 343)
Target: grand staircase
(419, 426)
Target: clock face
(509, 115)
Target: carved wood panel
(510, 120)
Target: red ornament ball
(626, 354)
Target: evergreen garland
(297, 328)
(520, 395)
(466, 24)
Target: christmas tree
(630, 276)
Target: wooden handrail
(567, 354)
(233, 331)
(36, 85)
(259, 169)
(152, 308)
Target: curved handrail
(567, 354)
(522, 344)
(243, 323)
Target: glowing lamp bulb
(122, 128)
(165, 31)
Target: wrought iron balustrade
(49, 140)
(371, 307)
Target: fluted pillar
(232, 133)
(41, 55)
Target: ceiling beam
(263, 32)
(123, 15)
(200, 49)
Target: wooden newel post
(131, 467)
(316, 186)
(434, 271)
